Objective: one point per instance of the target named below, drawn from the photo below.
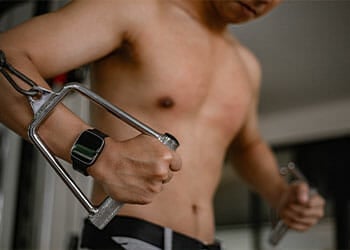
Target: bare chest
(201, 82)
(212, 90)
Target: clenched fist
(134, 171)
(299, 208)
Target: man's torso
(178, 77)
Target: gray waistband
(168, 239)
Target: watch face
(87, 147)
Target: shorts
(127, 233)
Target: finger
(300, 211)
(170, 176)
(316, 201)
(297, 225)
(155, 187)
(175, 164)
(302, 192)
(304, 217)
(300, 219)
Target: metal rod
(130, 120)
(55, 164)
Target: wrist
(281, 190)
(60, 130)
(86, 149)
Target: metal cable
(4, 65)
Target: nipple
(166, 102)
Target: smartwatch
(86, 149)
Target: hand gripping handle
(100, 216)
(280, 229)
(109, 207)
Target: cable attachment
(34, 91)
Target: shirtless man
(173, 65)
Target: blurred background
(303, 47)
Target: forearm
(58, 131)
(51, 44)
(257, 165)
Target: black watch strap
(98, 132)
(86, 149)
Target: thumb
(302, 192)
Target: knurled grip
(106, 211)
(169, 141)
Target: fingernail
(304, 197)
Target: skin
(174, 66)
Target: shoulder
(252, 64)
(249, 61)
(105, 24)
(112, 10)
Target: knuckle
(161, 171)
(176, 164)
(145, 198)
(145, 201)
(297, 226)
(153, 188)
(321, 214)
(148, 200)
(322, 201)
(166, 155)
(303, 214)
(312, 223)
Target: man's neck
(203, 11)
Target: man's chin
(241, 20)
(242, 16)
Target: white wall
(313, 122)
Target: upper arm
(79, 33)
(249, 133)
